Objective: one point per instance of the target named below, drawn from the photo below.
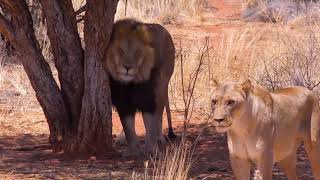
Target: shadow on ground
(27, 156)
(212, 159)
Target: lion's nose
(127, 68)
(219, 120)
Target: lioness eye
(214, 102)
(231, 102)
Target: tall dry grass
(273, 55)
(282, 11)
(173, 164)
(160, 11)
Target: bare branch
(7, 4)
(6, 29)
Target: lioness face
(227, 102)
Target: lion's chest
(131, 97)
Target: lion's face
(131, 57)
(228, 102)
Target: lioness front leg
(128, 125)
(240, 168)
(264, 165)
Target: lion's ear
(246, 86)
(143, 33)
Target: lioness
(140, 62)
(265, 127)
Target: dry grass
(156, 11)
(174, 164)
(282, 11)
(273, 55)
(160, 11)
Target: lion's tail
(315, 123)
(170, 131)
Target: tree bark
(38, 71)
(79, 116)
(68, 54)
(95, 127)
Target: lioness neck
(258, 111)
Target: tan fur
(265, 127)
(131, 47)
(141, 48)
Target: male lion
(140, 62)
(265, 127)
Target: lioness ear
(246, 86)
(213, 83)
(143, 33)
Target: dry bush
(280, 10)
(174, 164)
(296, 63)
(191, 77)
(273, 55)
(197, 64)
(160, 11)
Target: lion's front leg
(153, 126)
(151, 132)
(121, 138)
(128, 124)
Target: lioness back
(293, 108)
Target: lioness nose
(219, 120)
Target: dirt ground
(25, 154)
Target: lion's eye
(231, 103)
(121, 51)
(137, 54)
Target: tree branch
(7, 29)
(7, 4)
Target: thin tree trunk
(38, 70)
(95, 127)
(68, 54)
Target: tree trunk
(95, 127)
(79, 115)
(38, 70)
(68, 55)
